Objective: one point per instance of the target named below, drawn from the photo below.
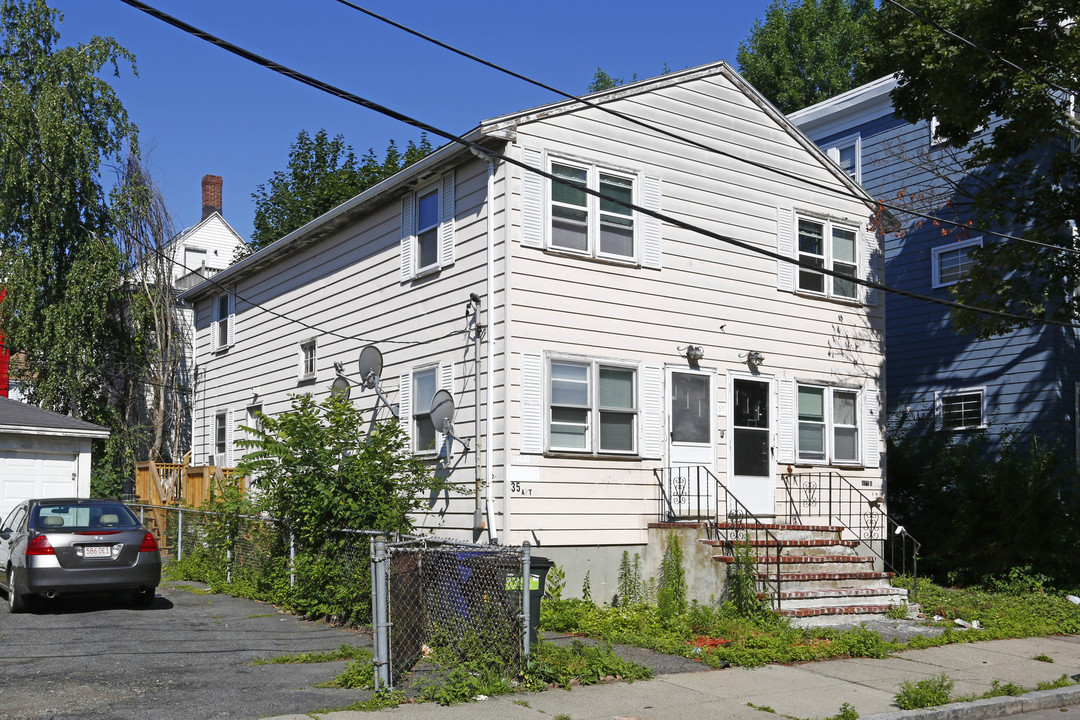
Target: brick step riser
(838, 584)
(812, 551)
(850, 614)
(813, 567)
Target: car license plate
(97, 551)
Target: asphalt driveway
(187, 657)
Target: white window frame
(854, 142)
(594, 213)
(594, 412)
(308, 364)
(419, 412)
(935, 261)
(223, 438)
(223, 326)
(442, 228)
(829, 282)
(431, 228)
(941, 397)
(830, 426)
(189, 249)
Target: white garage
(43, 454)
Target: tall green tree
(59, 122)
(322, 173)
(1006, 99)
(806, 52)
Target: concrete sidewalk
(811, 690)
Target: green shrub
(671, 597)
(925, 693)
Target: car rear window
(103, 516)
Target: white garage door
(35, 474)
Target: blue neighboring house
(1025, 382)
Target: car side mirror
(5, 534)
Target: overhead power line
(434, 130)
(606, 108)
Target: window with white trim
(427, 228)
(223, 327)
(593, 407)
(846, 154)
(308, 359)
(585, 224)
(828, 425)
(952, 262)
(828, 245)
(424, 384)
(961, 409)
(194, 259)
(223, 438)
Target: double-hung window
(961, 409)
(424, 384)
(845, 153)
(952, 262)
(223, 438)
(828, 425)
(586, 224)
(222, 327)
(427, 228)
(828, 245)
(308, 359)
(593, 407)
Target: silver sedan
(68, 545)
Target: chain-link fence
(453, 597)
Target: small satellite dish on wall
(341, 387)
(371, 366)
(442, 411)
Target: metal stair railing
(690, 493)
(831, 495)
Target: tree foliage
(806, 52)
(62, 274)
(322, 173)
(1014, 129)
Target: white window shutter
(868, 262)
(785, 247)
(446, 224)
(532, 403)
(446, 382)
(872, 429)
(407, 237)
(232, 317)
(786, 423)
(405, 408)
(214, 330)
(652, 240)
(652, 444)
(230, 460)
(532, 200)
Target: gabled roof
(18, 417)
(496, 130)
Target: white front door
(691, 443)
(751, 465)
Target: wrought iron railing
(810, 498)
(695, 493)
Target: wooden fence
(164, 484)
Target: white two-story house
(615, 344)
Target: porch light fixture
(754, 359)
(692, 353)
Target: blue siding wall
(1029, 376)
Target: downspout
(489, 436)
(507, 250)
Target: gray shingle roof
(20, 417)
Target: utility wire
(383, 110)
(689, 141)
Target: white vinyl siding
(427, 228)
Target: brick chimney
(211, 195)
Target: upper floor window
(952, 262)
(222, 329)
(593, 407)
(845, 153)
(587, 224)
(427, 228)
(424, 384)
(828, 425)
(308, 359)
(194, 259)
(824, 244)
(961, 409)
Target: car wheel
(16, 600)
(143, 598)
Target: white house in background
(587, 390)
(43, 454)
(209, 247)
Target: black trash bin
(538, 569)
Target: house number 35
(515, 487)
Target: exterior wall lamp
(754, 359)
(692, 353)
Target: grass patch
(1043, 658)
(925, 693)
(1062, 682)
(342, 652)
(261, 615)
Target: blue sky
(202, 110)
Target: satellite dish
(442, 410)
(371, 366)
(341, 388)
